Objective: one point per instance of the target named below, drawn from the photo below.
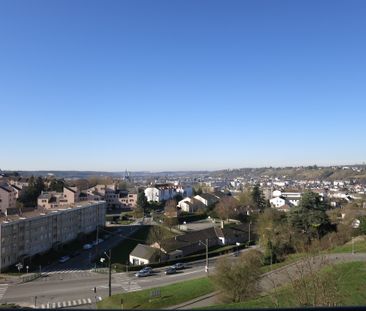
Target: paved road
(84, 261)
(65, 288)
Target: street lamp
(110, 270)
(237, 248)
(205, 244)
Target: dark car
(170, 270)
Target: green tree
(29, 196)
(141, 200)
(258, 198)
(275, 234)
(310, 216)
(56, 185)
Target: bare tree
(226, 208)
(311, 287)
(238, 280)
(171, 213)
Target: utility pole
(110, 274)
(109, 270)
(206, 244)
(249, 231)
(207, 255)
(96, 243)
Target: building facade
(8, 198)
(36, 232)
(165, 192)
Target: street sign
(155, 293)
(19, 266)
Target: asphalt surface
(62, 288)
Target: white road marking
(3, 288)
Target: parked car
(64, 259)
(76, 253)
(87, 246)
(97, 242)
(171, 270)
(179, 266)
(144, 272)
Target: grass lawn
(351, 282)
(170, 295)
(359, 246)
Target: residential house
(145, 254)
(53, 199)
(208, 199)
(128, 199)
(234, 234)
(190, 205)
(7, 198)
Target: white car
(64, 259)
(144, 272)
(87, 246)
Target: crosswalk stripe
(64, 304)
(89, 300)
(74, 303)
(69, 303)
(84, 301)
(79, 301)
(54, 305)
(59, 305)
(3, 288)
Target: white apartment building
(165, 192)
(23, 236)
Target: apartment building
(164, 192)
(36, 232)
(8, 198)
(128, 199)
(53, 199)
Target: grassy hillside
(351, 284)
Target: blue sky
(181, 85)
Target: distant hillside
(299, 173)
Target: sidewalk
(202, 301)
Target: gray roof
(6, 188)
(144, 251)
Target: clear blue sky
(180, 85)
